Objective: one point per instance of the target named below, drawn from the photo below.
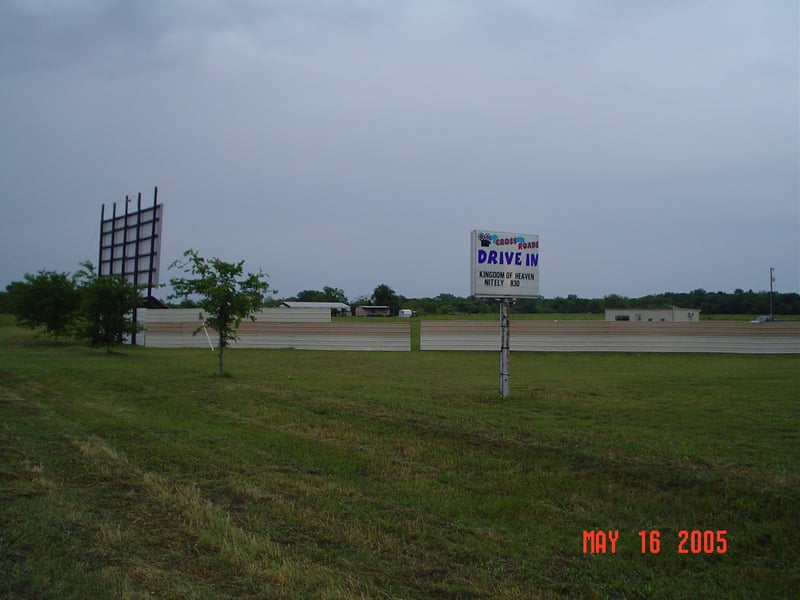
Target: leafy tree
(309, 296)
(226, 295)
(362, 300)
(106, 308)
(383, 295)
(328, 294)
(47, 300)
(332, 294)
(186, 303)
(615, 301)
(527, 306)
(787, 304)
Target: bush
(48, 300)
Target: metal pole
(771, 281)
(135, 254)
(152, 243)
(136, 237)
(113, 239)
(505, 348)
(100, 252)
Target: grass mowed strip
(394, 475)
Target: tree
(332, 294)
(615, 301)
(328, 294)
(383, 295)
(47, 300)
(106, 307)
(309, 296)
(226, 295)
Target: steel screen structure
(130, 242)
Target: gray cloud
(653, 146)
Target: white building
(336, 308)
(656, 315)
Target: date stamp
(688, 541)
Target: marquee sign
(504, 265)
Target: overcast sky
(653, 146)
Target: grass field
(394, 475)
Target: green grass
(392, 475)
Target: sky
(652, 146)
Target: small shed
(373, 311)
(657, 315)
(339, 309)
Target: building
(338, 309)
(655, 315)
(373, 311)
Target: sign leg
(505, 349)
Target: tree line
(739, 302)
(94, 308)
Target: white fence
(301, 328)
(312, 329)
(601, 336)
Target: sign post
(505, 348)
(504, 266)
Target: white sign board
(504, 265)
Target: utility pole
(771, 281)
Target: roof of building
(331, 305)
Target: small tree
(226, 296)
(107, 304)
(47, 300)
